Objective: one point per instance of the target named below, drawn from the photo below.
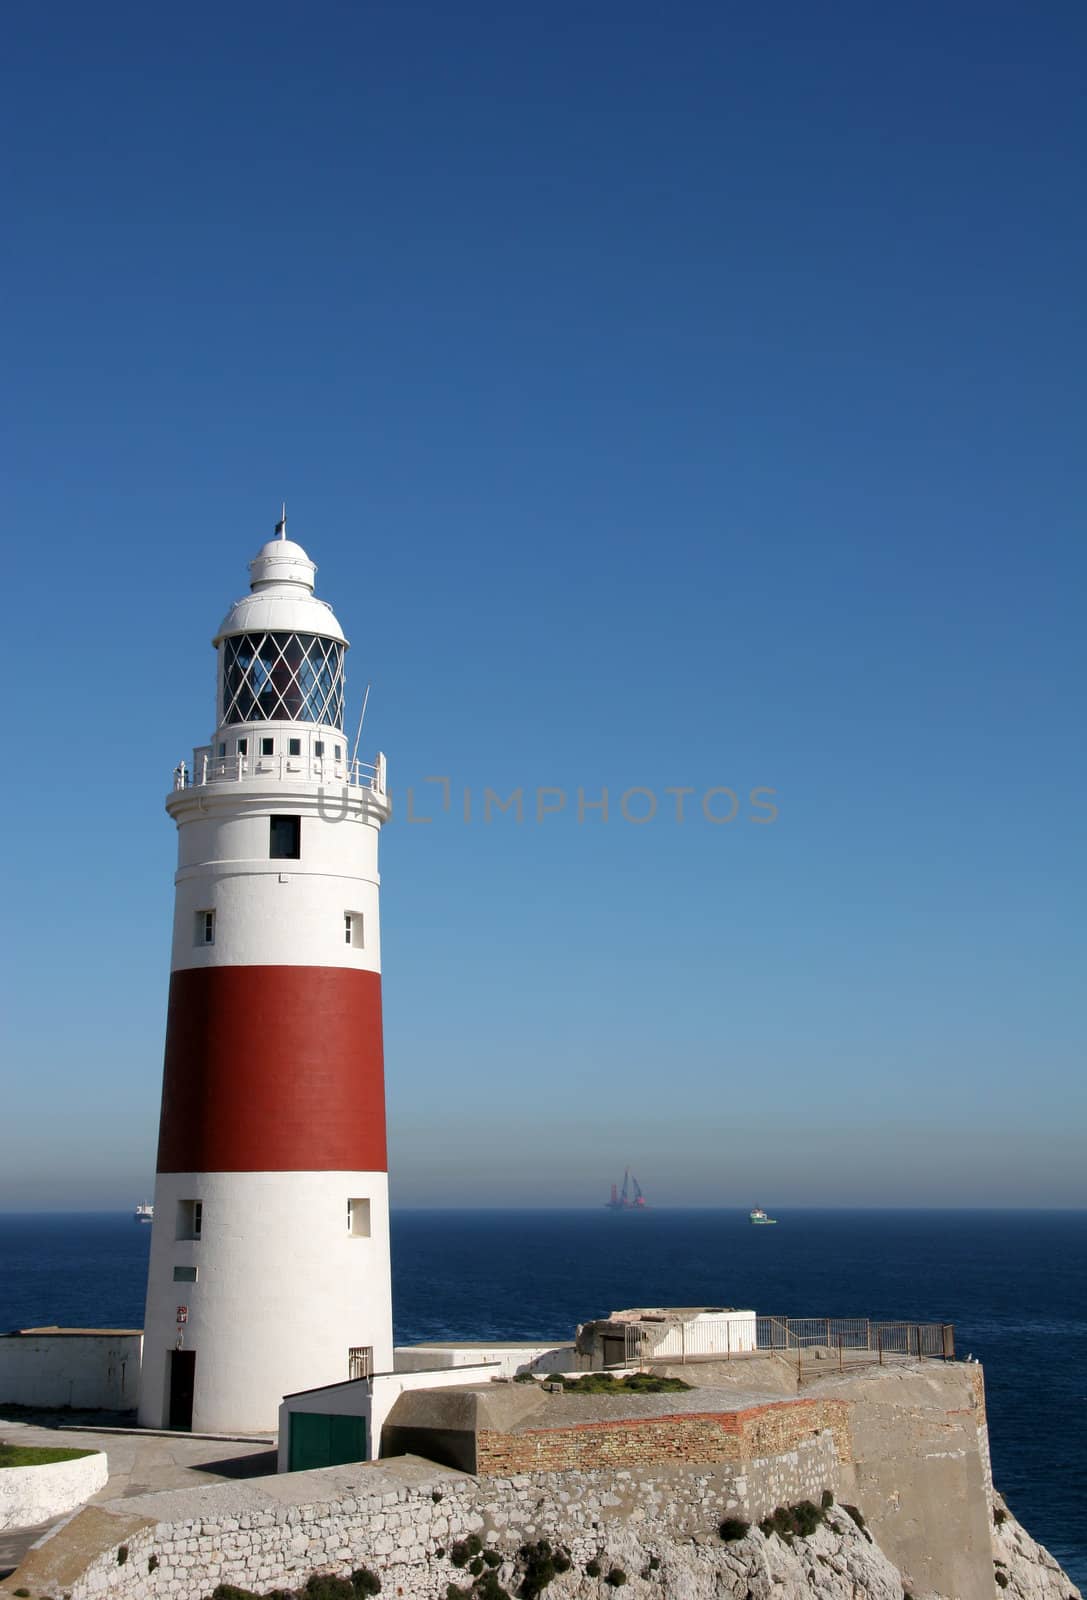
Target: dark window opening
(243, 747)
(294, 747)
(267, 746)
(285, 838)
(318, 747)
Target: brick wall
(690, 1437)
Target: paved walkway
(138, 1464)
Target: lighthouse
(269, 1264)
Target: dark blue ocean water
(1014, 1284)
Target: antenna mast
(362, 718)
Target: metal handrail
(209, 769)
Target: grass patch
(25, 1455)
(607, 1383)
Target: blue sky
(686, 396)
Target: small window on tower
(360, 1361)
(190, 1219)
(352, 929)
(294, 747)
(338, 752)
(318, 747)
(358, 1219)
(205, 927)
(243, 747)
(285, 838)
(267, 747)
(186, 1274)
(222, 751)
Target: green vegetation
(318, 1586)
(593, 1569)
(859, 1520)
(826, 1500)
(733, 1528)
(1001, 1578)
(25, 1455)
(1000, 1516)
(122, 1554)
(485, 1587)
(607, 1383)
(793, 1522)
(542, 1563)
(616, 1577)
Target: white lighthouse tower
(270, 1244)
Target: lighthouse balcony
(208, 768)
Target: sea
(1014, 1283)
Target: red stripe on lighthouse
(273, 1069)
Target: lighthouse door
(182, 1385)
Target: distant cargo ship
(760, 1219)
(144, 1213)
(629, 1198)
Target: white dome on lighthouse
(282, 600)
(281, 561)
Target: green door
(317, 1440)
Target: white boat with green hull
(761, 1220)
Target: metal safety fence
(807, 1342)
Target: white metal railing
(850, 1339)
(208, 769)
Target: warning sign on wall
(182, 1313)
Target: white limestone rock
(836, 1562)
(1031, 1572)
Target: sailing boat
(630, 1197)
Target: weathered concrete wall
(510, 1357)
(95, 1370)
(31, 1495)
(917, 1473)
(395, 1517)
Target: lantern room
(281, 650)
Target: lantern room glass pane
(282, 677)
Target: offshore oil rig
(629, 1197)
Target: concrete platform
(138, 1464)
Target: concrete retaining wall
(29, 1495)
(93, 1369)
